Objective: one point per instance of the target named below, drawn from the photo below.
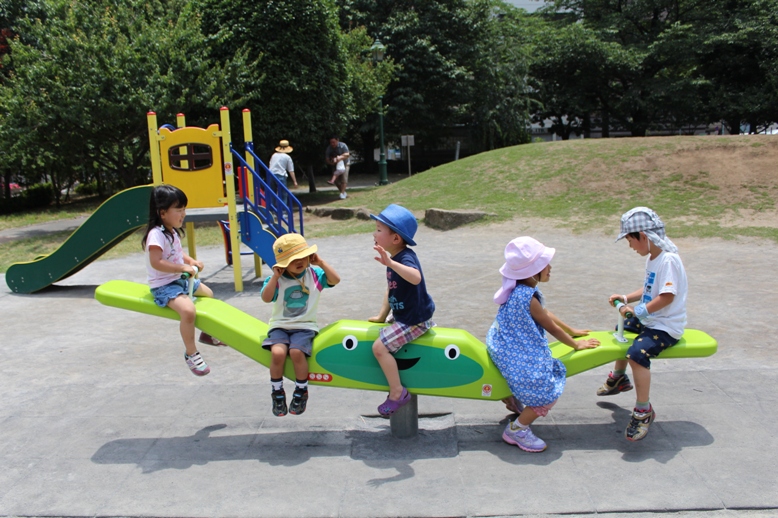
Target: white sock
(519, 425)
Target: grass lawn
(66, 211)
(717, 186)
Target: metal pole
(409, 160)
(383, 179)
(405, 422)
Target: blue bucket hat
(400, 220)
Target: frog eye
(350, 342)
(452, 352)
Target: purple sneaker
(523, 438)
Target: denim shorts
(301, 339)
(168, 292)
(649, 343)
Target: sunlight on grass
(25, 250)
(83, 208)
(583, 185)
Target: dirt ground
(744, 170)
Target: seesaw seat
(444, 362)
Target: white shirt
(280, 163)
(172, 252)
(295, 308)
(666, 274)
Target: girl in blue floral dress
(517, 342)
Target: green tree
(293, 72)
(653, 85)
(368, 80)
(500, 99)
(737, 52)
(10, 12)
(435, 45)
(83, 79)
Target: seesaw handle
(186, 275)
(617, 304)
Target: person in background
(336, 153)
(281, 166)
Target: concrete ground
(101, 417)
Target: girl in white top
(165, 264)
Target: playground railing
(277, 215)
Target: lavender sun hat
(524, 257)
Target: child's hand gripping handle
(617, 304)
(186, 275)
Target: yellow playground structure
(202, 163)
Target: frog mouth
(406, 363)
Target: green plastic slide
(114, 220)
(443, 362)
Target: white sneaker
(196, 364)
(343, 196)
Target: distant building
(528, 5)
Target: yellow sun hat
(291, 247)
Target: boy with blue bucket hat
(407, 298)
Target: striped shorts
(395, 335)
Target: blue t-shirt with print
(410, 303)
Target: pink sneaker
(207, 339)
(196, 364)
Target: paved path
(101, 417)
(41, 229)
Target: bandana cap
(643, 219)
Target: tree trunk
(733, 126)
(368, 141)
(606, 124)
(7, 185)
(311, 181)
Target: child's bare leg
(278, 358)
(527, 416)
(203, 291)
(389, 366)
(184, 306)
(642, 379)
(300, 363)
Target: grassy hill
(723, 186)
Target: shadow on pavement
(376, 447)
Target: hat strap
(301, 280)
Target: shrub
(87, 189)
(39, 195)
(15, 204)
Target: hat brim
(531, 269)
(408, 240)
(287, 149)
(299, 255)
